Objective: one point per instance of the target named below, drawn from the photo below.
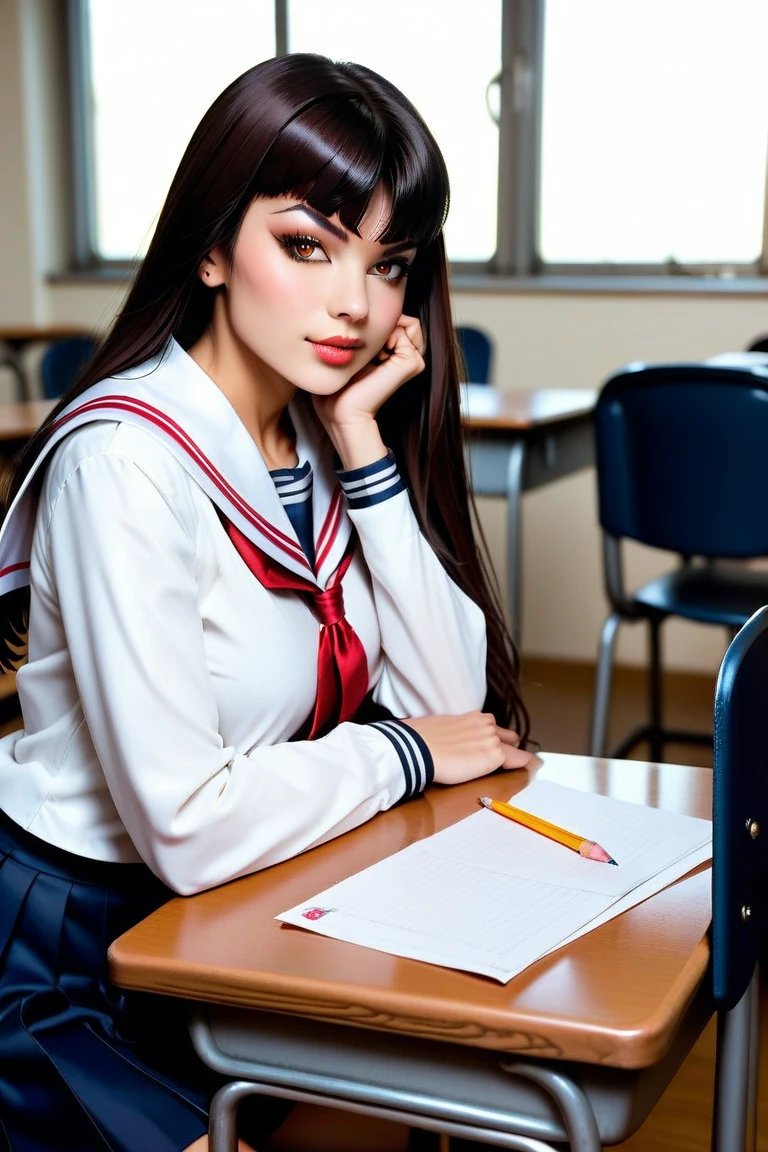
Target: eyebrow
(323, 222)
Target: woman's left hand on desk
(468, 746)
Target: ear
(213, 267)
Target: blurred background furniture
(517, 441)
(681, 466)
(476, 348)
(759, 344)
(62, 362)
(22, 349)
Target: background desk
(613, 998)
(518, 441)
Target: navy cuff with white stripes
(364, 487)
(415, 757)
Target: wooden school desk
(518, 441)
(312, 1018)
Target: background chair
(760, 344)
(681, 466)
(62, 362)
(476, 347)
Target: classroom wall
(542, 340)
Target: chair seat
(726, 594)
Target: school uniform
(167, 701)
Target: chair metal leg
(654, 690)
(754, 1062)
(734, 1119)
(603, 680)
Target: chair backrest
(62, 362)
(682, 458)
(476, 347)
(759, 344)
(740, 811)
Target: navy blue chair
(739, 876)
(682, 466)
(476, 349)
(63, 362)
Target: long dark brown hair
(329, 134)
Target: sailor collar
(174, 400)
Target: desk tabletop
(494, 409)
(27, 333)
(613, 997)
(483, 408)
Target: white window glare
(654, 117)
(655, 126)
(443, 57)
(156, 65)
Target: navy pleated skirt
(84, 1066)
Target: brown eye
(304, 249)
(393, 271)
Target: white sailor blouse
(165, 684)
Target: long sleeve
(124, 566)
(433, 636)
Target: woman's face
(307, 300)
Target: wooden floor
(559, 699)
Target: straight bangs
(334, 153)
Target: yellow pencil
(584, 847)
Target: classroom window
(445, 81)
(580, 137)
(654, 131)
(152, 68)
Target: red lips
(340, 342)
(337, 351)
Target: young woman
(241, 559)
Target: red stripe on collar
(330, 530)
(13, 568)
(175, 432)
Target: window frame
(516, 259)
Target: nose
(349, 297)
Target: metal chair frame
(637, 410)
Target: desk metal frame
(508, 461)
(478, 1095)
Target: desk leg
(575, 1109)
(222, 1126)
(515, 467)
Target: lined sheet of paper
(489, 896)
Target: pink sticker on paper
(316, 913)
